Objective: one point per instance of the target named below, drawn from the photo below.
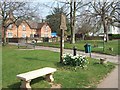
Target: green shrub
(78, 60)
(115, 36)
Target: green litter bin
(87, 48)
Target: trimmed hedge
(93, 38)
(115, 36)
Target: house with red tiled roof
(23, 29)
(41, 29)
(44, 30)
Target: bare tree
(72, 19)
(84, 24)
(106, 12)
(85, 29)
(11, 12)
(86, 18)
(71, 7)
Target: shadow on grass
(16, 86)
(58, 64)
(39, 79)
(29, 58)
(96, 63)
(63, 67)
(37, 59)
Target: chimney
(11, 15)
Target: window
(31, 35)
(23, 27)
(10, 26)
(24, 35)
(46, 28)
(45, 35)
(16, 28)
(10, 35)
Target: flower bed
(78, 60)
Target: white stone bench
(27, 77)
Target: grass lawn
(16, 61)
(0, 66)
(80, 46)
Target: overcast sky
(44, 10)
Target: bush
(93, 38)
(78, 60)
(115, 36)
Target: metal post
(18, 45)
(34, 45)
(90, 50)
(90, 54)
(74, 51)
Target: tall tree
(54, 19)
(91, 22)
(84, 29)
(71, 6)
(72, 19)
(107, 12)
(54, 22)
(75, 6)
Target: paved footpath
(93, 55)
(111, 81)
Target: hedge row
(115, 36)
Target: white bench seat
(27, 77)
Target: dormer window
(10, 26)
(23, 27)
(46, 28)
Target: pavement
(110, 58)
(112, 79)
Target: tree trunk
(83, 36)
(72, 21)
(105, 29)
(4, 36)
(74, 12)
(107, 37)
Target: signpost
(62, 29)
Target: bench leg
(25, 84)
(49, 77)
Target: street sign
(63, 22)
